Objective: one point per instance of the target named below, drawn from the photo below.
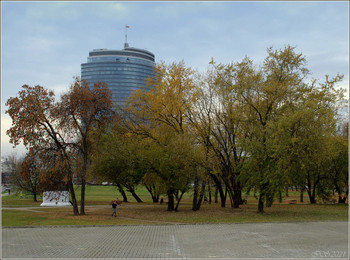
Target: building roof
(130, 52)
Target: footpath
(311, 240)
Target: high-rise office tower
(123, 70)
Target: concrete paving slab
(311, 240)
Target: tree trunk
(312, 200)
(195, 194)
(178, 201)
(216, 195)
(301, 195)
(133, 193)
(176, 193)
(219, 187)
(82, 201)
(261, 204)
(222, 198)
(201, 195)
(83, 175)
(122, 192)
(314, 194)
(35, 200)
(209, 191)
(152, 191)
(74, 200)
(237, 195)
(311, 190)
(137, 198)
(156, 195)
(311, 196)
(269, 199)
(155, 199)
(170, 194)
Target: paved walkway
(263, 240)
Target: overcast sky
(45, 42)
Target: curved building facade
(123, 70)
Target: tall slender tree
(81, 110)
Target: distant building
(123, 70)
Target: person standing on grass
(114, 206)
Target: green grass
(16, 218)
(98, 211)
(146, 213)
(94, 195)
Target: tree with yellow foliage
(159, 115)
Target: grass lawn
(25, 212)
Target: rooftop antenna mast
(126, 45)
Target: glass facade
(122, 70)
